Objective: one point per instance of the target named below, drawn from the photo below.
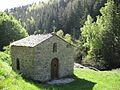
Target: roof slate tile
(32, 40)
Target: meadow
(85, 79)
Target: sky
(4, 4)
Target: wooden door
(54, 68)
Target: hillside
(84, 80)
(97, 44)
(68, 15)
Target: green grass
(84, 80)
(104, 80)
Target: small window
(18, 64)
(55, 47)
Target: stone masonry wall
(44, 55)
(26, 57)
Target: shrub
(5, 57)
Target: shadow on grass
(78, 84)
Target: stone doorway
(54, 68)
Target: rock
(77, 65)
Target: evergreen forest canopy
(67, 15)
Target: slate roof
(32, 40)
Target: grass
(104, 80)
(84, 80)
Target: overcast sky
(4, 4)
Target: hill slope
(68, 15)
(85, 80)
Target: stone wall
(26, 57)
(35, 63)
(44, 55)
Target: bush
(7, 49)
(5, 69)
(5, 57)
(99, 64)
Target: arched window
(55, 47)
(18, 64)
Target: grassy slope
(104, 80)
(9, 80)
(85, 80)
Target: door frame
(55, 68)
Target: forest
(67, 15)
(91, 26)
